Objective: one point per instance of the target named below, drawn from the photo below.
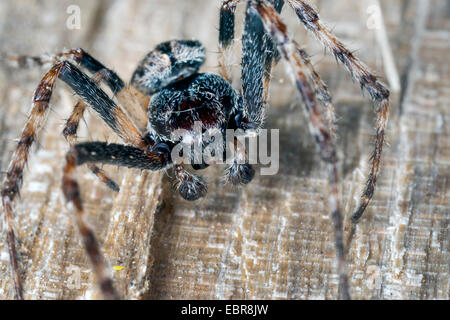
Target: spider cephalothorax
(175, 96)
(182, 97)
(203, 97)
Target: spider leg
(131, 99)
(14, 175)
(116, 154)
(136, 104)
(272, 55)
(71, 127)
(97, 99)
(360, 72)
(84, 59)
(258, 56)
(78, 56)
(226, 36)
(128, 97)
(318, 128)
(320, 89)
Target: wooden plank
(272, 239)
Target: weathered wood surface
(272, 239)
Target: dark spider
(167, 85)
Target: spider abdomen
(169, 62)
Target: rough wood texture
(273, 238)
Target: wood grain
(272, 239)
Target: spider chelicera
(168, 86)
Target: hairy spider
(169, 87)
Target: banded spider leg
(115, 117)
(317, 125)
(359, 72)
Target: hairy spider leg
(14, 176)
(269, 53)
(226, 37)
(115, 154)
(360, 72)
(128, 97)
(258, 56)
(321, 91)
(97, 99)
(131, 99)
(317, 126)
(78, 56)
(71, 128)
(134, 102)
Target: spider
(168, 86)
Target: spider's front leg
(115, 154)
(96, 98)
(360, 72)
(321, 90)
(14, 176)
(226, 36)
(317, 126)
(226, 39)
(258, 56)
(134, 102)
